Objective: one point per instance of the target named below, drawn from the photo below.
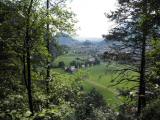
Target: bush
(152, 111)
(93, 107)
(61, 64)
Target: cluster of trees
(86, 63)
(29, 88)
(118, 56)
(79, 64)
(61, 64)
(26, 28)
(138, 30)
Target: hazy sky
(90, 14)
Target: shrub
(61, 64)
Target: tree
(61, 64)
(11, 39)
(73, 63)
(27, 46)
(134, 32)
(93, 107)
(48, 48)
(23, 51)
(58, 19)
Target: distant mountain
(64, 39)
(108, 43)
(87, 43)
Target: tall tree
(142, 86)
(48, 48)
(28, 45)
(134, 32)
(24, 50)
(58, 19)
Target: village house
(71, 69)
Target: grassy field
(99, 77)
(67, 59)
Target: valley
(99, 76)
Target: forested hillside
(45, 74)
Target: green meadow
(68, 58)
(99, 77)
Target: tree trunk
(48, 63)
(29, 81)
(142, 98)
(27, 39)
(24, 65)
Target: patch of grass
(109, 95)
(99, 77)
(67, 59)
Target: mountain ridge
(65, 39)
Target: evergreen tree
(136, 21)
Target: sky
(91, 18)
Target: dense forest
(34, 87)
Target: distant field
(99, 77)
(67, 59)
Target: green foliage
(62, 111)
(73, 63)
(152, 111)
(13, 17)
(153, 75)
(66, 99)
(138, 30)
(61, 64)
(93, 107)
